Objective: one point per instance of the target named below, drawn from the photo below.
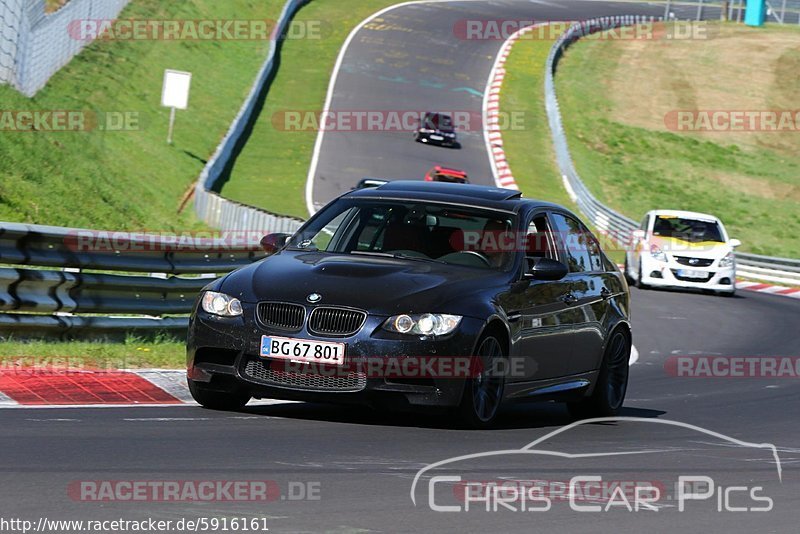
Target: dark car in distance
(437, 129)
(516, 292)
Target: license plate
(688, 273)
(437, 138)
(302, 350)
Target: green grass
(134, 353)
(634, 164)
(271, 171)
(130, 179)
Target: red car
(446, 174)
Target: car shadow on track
(535, 415)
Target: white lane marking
(82, 406)
(255, 403)
(549, 4)
(173, 381)
(312, 170)
(6, 401)
(634, 356)
(54, 420)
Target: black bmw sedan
(416, 294)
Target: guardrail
(617, 225)
(42, 297)
(210, 206)
(137, 281)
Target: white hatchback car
(682, 249)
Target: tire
(218, 400)
(626, 272)
(483, 393)
(639, 283)
(612, 381)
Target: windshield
(691, 230)
(414, 231)
(438, 122)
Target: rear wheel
(483, 391)
(612, 381)
(217, 400)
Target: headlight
(221, 304)
(657, 253)
(727, 261)
(426, 324)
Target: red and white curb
(34, 388)
(491, 114)
(791, 292)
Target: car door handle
(605, 293)
(569, 298)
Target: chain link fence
(34, 45)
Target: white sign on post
(175, 94)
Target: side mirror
(546, 269)
(735, 243)
(272, 243)
(638, 235)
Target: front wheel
(640, 280)
(626, 272)
(483, 391)
(612, 381)
(217, 400)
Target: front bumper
(667, 274)
(380, 367)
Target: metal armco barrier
(30, 287)
(211, 207)
(617, 225)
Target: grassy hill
(129, 179)
(617, 97)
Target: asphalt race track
(358, 466)
(412, 58)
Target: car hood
(702, 249)
(381, 286)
